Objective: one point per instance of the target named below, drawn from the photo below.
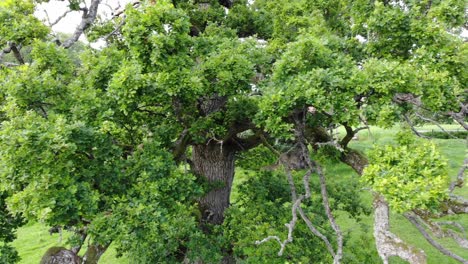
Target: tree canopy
(137, 143)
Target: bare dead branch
(455, 224)
(331, 218)
(56, 21)
(88, 18)
(291, 225)
(317, 233)
(116, 29)
(120, 12)
(415, 221)
(296, 205)
(427, 119)
(410, 124)
(441, 232)
(313, 166)
(9, 64)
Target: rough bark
(355, 160)
(89, 16)
(60, 255)
(215, 163)
(300, 133)
(414, 220)
(388, 244)
(94, 253)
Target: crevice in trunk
(215, 163)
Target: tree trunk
(215, 163)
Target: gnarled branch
(415, 221)
(89, 16)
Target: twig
(51, 24)
(291, 225)
(436, 123)
(455, 224)
(410, 124)
(116, 29)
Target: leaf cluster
(411, 175)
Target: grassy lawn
(34, 239)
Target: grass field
(34, 239)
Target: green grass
(34, 239)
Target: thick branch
(89, 16)
(355, 159)
(17, 53)
(460, 116)
(414, 220)
(436, 228)
(388, 244)
(349, 135)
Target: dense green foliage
(99, 141)
(411, 175)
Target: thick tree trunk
(215, 163)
